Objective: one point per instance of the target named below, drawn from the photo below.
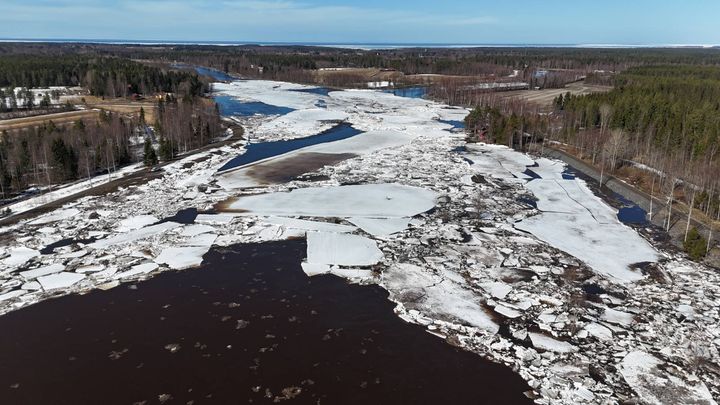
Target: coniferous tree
(149, 156)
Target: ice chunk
(314, 269)
(507, 311)
(143, 268)
(182, 257)
(341, 249)
(218, 219)
(12, 294)
(381, 226)
(42, 271)
(547, 343)
(206, 239)
(132, 223)
(352, 274)
(497, 289)
(599, 331)
(91, 268)
(194, 230)
(618, 317)
(59, 280)
(19, 256)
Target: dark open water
(247, 327)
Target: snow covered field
(552, 292)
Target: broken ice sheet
(418, 288)
(646, 375)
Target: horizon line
(352, 45)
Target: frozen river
(334, 256)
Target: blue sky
(369, 21)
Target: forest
(53, 154)
(102, 75)
(295, 62)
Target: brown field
(93, 105)
(369, 74)
(122, 106)
(545, 98)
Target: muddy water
(247, 327)
(287, 169)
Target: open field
(123, 106)
(546, 97)
(59, 119)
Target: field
(59, 119)
(546, 97)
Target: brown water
(247, 327)
(289, 168)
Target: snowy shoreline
(468, 269)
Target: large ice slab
(59, 280)
(19, 256)
(341, 249)
(42, 271)
(368, 200)
(132, 236)
(182, 257)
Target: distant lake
(409, 92)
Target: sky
(632, 22)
